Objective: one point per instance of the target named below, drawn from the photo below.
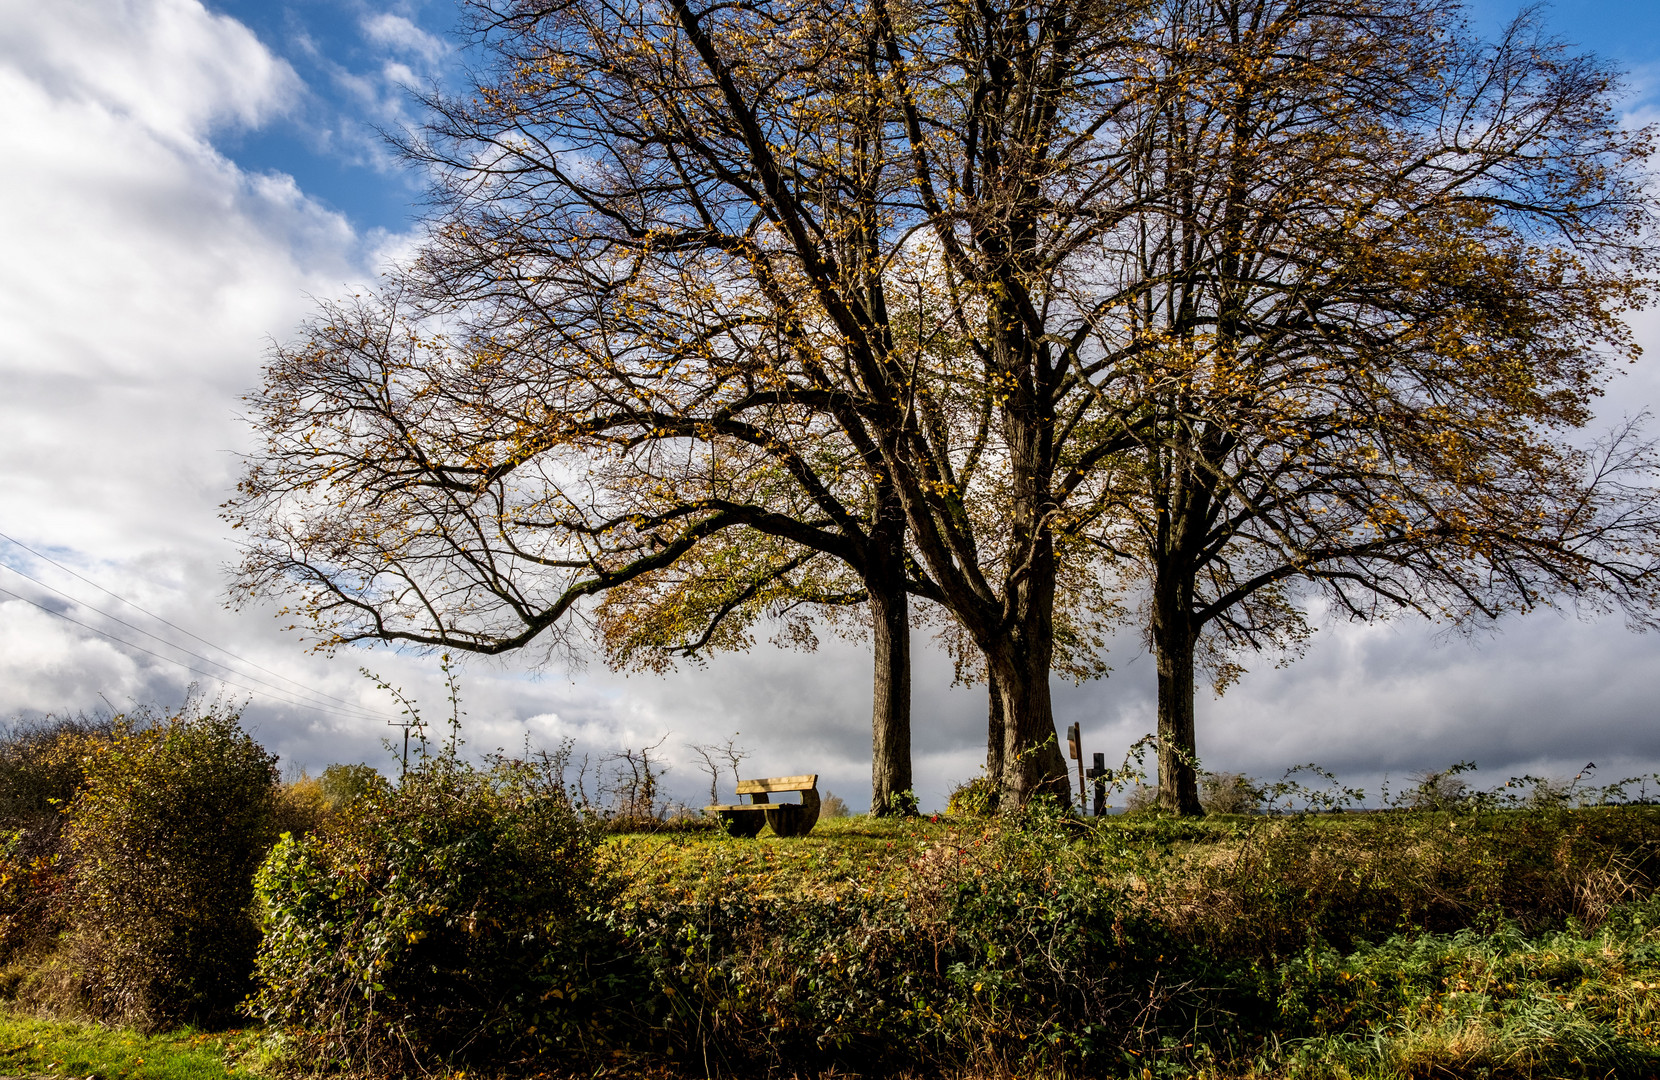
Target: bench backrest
(778, 783)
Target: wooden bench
(786, 819)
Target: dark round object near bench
(743, 823)
(790, 819)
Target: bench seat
(786, 819)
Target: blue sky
(181, 179)
(342, 52)
(354, 59)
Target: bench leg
(792, 819)
(742, 823)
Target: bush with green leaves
(1494, 1003)
(973, 798)
(167, 831)
(1039, 944)
(443, 920)
(1002, 953)
(344, 785)
(42, 767)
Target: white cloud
(144, 273)
(398, 33)
(47, 666)
(168, 65)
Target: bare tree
(940, 294)
(1374, 288)
(733, 754)
(706, 755)
(634, 780)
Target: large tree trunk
(890, 710)
(890, 618)
(1033, 764)
(1019, 659)
(1174, 639)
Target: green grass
(841, 856)
(33, 1047)
(861, 854)
(1483, 1005)
(1365, 875)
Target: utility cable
(364, 714)
(170, 660)
(351, 706)
(164, 622)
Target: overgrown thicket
(166, 832)
(127, 860)
(481, 916)
(42, 767)
(451, 917)
(468, 920)
(1281, 943)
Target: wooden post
(1075, 750)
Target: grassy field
(1459, 861)
(34, 1047)
(841, 856)
(1380, 946)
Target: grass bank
(467, 920)
(1483, 944)
(30, 1046)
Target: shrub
(1495, 1004)
(309, 803)
(41, 766)
(833, 806)
(1036, 944)
(1443, 790)
(445, 919)
(1229, 793)
(41, 770)
(973, 798)
(1003, 953)
(301, 807)
(344, 785)
(1141, 798)
(167, 832)
(1270, 886)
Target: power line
(170, 660)
(364, 714)
(241, 659)
(164, 622)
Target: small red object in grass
(935, 819)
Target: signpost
(1075, 750)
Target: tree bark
(890, 618)
(995, 735)
(890, 711)
(1033, 764)
(1174, 639)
